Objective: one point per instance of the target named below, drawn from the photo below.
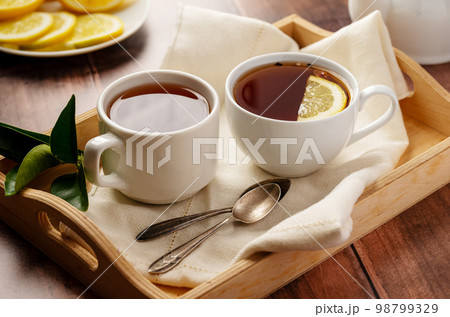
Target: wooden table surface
(405, 258)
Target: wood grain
(328, 14)
(408, 256)
(330, 280)
(435, 115)
(38, 89)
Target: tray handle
(74, 242)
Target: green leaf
(10, 181)
(36, 152)
(63, 139)
(44, 138)
(82, 184)
(15, 143)
(72, 188)
(37, 160)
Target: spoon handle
(165, 227)
(171, 259)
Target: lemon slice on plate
(13, 8)
(51, 6)
(10, 46)
(62, 27)
(94, 29)
(83, 6)
(26, 28)
(322, 99)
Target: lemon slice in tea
(94, 29)
(322, 98)
(62, 27)
(83, 6)
(13, 8)
(26, 28)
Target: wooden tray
(74, 242)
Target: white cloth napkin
(315, 213)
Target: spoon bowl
(257, 203)
(250, 208)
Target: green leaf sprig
(36, 152)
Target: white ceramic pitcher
(420, 28)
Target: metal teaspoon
(168, 226)
(250, 208)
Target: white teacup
(152, 167)
(291, 148)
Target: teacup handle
(92, 153)
(378, 123)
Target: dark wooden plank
(331, 280)
(35, 90)
(441, 73)
(328, 14)
(408, 256)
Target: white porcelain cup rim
(101, 104)
(236, 74)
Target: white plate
(133, 16)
